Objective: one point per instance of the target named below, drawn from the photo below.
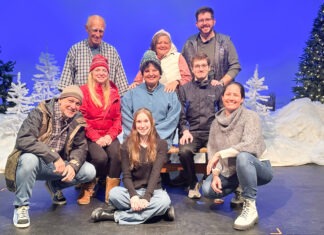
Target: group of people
(73, 139)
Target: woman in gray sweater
(236, 149)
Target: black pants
(106, 160)
(187, 153)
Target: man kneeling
(51, 146)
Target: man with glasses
(79, 57)
(219, 48)
(199, 103)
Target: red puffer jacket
(100, 121)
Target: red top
(100, 121)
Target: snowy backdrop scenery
(280, 46)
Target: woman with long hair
(101, 110)
(143, 155)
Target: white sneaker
(248, 217)
(21, 217)
(194, 193)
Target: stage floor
(292, 203)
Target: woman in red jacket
(101, 110)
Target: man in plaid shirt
(79, 57)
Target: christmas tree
(45, 86)
(17, 94)
(258, 103)
(5, 82)
(310, 78)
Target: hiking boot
(194, 193)
(237, 200)
(101, 214)
(248, 217)
(87, 191)
(57, 195)
(21, 217)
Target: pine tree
(5, 82)
(310, 77)
(258, 103)
(17, 94)
(45, 86)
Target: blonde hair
(133, 141)
(93, 94)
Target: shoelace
(22, 212)
(245, 211)
(59, 194)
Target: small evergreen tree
(45, 86)
(258, 103)
(17, 94)
(310, 78)
(5, 83)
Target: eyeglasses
(198, 66)
(204, 20)
(97, 30)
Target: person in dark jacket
(53, 148)
(142, 155)
(224, 62)
(199, 103)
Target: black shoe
(169, 214)
(57, 195)
(110, 208)
(179, 181)
(100, 214)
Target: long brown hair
(93, 94)
(133, 140)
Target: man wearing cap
(52, 147)
(165, 106)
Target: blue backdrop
(271, 34)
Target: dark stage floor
(293, 203)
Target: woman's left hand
(171, 86)
(144, 203)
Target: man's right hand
(186, 137)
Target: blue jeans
(250, 172)
(31, 168)
(159, 203)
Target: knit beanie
(150, 56)
(99, 60)
(72, 91)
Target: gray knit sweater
(230, 135)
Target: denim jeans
(250, 172)
(159, 203)
(31, 168)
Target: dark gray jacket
(34, 135)
(226, 58)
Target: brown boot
(87, 191)
(110, 183)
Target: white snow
(298, 138)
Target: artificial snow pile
(299, 139)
